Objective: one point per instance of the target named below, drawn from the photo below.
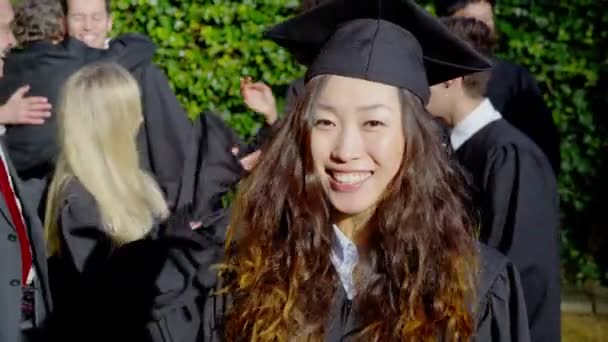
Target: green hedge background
(206, 46)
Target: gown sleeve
(166, 130)
(501, 313)
(210, 171)
(538, 124)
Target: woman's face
(357, 141)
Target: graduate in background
(353, 225)
(112, 263)
(511, 88)
(512, 181)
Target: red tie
(11, 203)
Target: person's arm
(166, 131)
(259, 98)
(533, 117)
(22, 110)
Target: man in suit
(512, 90)
(24, 295)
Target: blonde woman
(117, 259)
(100, 199)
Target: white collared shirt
(344, 257)
(479, 118)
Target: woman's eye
(374, 123)
(323, 123)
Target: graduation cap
(394, 42)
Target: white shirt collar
(344, 257)
(482, 116)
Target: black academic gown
(166, 133)
(515, 189)
(500, 312)
(515, 94)
(146, 290)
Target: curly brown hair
(419, 278)
(38, 20)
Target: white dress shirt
(479, 118)
(344, 257)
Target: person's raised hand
(249, 161)
(259, 98)
(22, 110)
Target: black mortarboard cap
(394, 42)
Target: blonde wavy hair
(98, 119)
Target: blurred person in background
(513, 185)
(512, 89)
(25, 300)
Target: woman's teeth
(350, 178)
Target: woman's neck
(353, 225)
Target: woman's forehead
(352, 93)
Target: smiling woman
(353, 225)
(357, 141)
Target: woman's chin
(351, 207)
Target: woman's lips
(348, 181)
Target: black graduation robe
(515, 189)
(145, 290)
(500, 313)
(515, 94)
(166, 133)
